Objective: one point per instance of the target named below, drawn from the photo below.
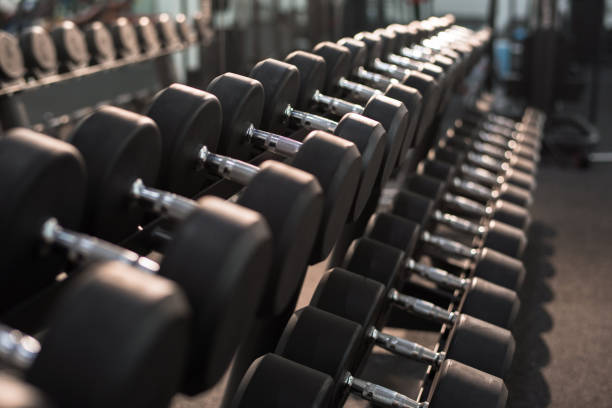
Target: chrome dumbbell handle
(405, 348)
(379, 80)
(309, 120)
(467, 205)
(90, 248)
(272, 142)
(337, 106)
(450, 246)
(437, 275)
(228, 168)
(478, 190)
(173, 205)
(481, 175)
(460, 224)
(421, 307)
(395, 71)
(360, 90)
(380, 395)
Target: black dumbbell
(531, 122)
(167, 32)
(488, 264)
(71, 46)
(278, 77)
(232, 242)
(527, 145)
(490, 234)
(396, 254)
(122, 153)
(341, 61)
(243, 99)
(12, 65)
(338, 291)
(125, 38)
(425, 84)
(190, 123)
(478, 183)
(331, 344)
(38, 51)
(186, 31)
(502, 156)
(100, 43)
(390, 113)
(148, 37)
(479, 205)
(116, 338)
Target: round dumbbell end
(505, 238)
(119, 147)
(515, 195)
(512, 214)
(500, 269)
(274, 381)
(220, 256)
(374, 260)
(460, 386)
(137, 328)
(491, 303)
(291, 201)
(481, 345)
(336, 163)
(312, 70)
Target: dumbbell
(502, 156)
(331, 344)
(502, 137)
(232, 242)
(390, 113)
(16, 393)
(462, 170)
(190, 122)
(478, 206)
(148, 37)
(89, 357)
(186, 32)
(100, 43)
(338, 291)
(243, 100)
(71, 46)
(408, 236)
(342, 61)
(522, 130)
(12, 66)
(167, 32)
(425, 84)
(39, 51)
(490, 234)
(125, 39)
(359, 55)
(122, 151)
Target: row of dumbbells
(37, 53)
(122, 152)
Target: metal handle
(467, 205)
(337, 106)
(491, 150)
(174, 205)
(406, 348)
(416, 53)
(421, 307)
(272, 142)
(403, 62)
(228, 168)
(391, 69)
(472, 188)
(460, 224)
(309, 120)
(360, 90)
(481, 175)
(497, 140)
(487, 162)
(87, 247)
(380, 395)
(437, 275)
(17, 349)
(450, 246)
(379, 80)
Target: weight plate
(11, 59)
(125, 38)
(100, 43)
(38, 49)
(312, 76)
